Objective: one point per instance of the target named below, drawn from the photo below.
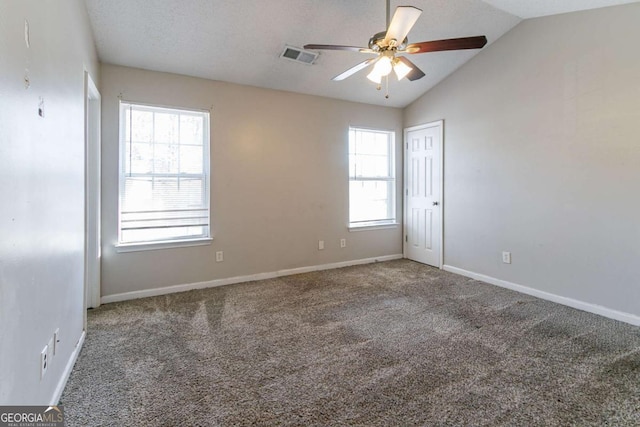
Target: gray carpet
(393, 343)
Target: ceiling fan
(389, 45)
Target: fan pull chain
(386, 83)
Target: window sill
(167, 244)
(367, 227)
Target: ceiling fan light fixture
(375, 76)
(383, 66)
(401, 69)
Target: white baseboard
(239, 279)
(67, 370)
(580, 305)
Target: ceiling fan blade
(332, 47)
(351, 71)
(476, 42)
(416, 73)
(403, 20)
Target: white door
(92, 193)
(423, 194)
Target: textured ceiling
(533, 8)
(240, 41)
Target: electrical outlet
(343, 243)
(56, 340)
(219, 256)
(320, 245)
(506, 257)
(44, 361)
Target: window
(372, 181)
(164, 174)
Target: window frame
(195, 240)
(391, 179)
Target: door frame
(92, 170)
(439, 124)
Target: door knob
(435, 203)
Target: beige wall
(279, 181)
(542, 157)
(42, 192)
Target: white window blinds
(164, 174)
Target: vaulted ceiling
(241, 41)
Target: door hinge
(406, 237)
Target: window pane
(191, 130)
(141, 158)
(166, 128)
(369, 201)
(371, 166)
(141, 126)
(191, 159)
(137, 194)
(191, 192)
(374, 143)
(166, 158)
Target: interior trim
(580, 305)
(67, 370)
(240, 279)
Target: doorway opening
(92, 194)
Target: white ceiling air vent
(298, 55)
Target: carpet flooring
(385, 344)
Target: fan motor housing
(377, 42)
